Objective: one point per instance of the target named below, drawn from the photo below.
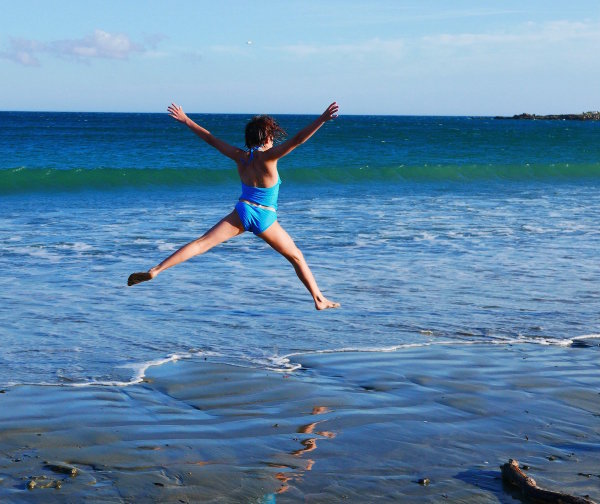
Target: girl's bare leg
(226, 228)
(278, 238)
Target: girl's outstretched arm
(177, 113)
(304, 134)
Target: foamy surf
(137, 377)
(288, 363)
(587, 336)
(522, 340)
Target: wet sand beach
(351, 427)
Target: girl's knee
(200, 245)
(295, 256)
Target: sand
(347, 427)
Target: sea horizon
(301, 114)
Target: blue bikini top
(253, 150)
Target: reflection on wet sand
(308, 445)
(281, 476)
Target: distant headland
(585, 116)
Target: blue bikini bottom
(254, 218)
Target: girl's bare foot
(323, 303)
(143, 276)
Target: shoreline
(291, 362)
(353, 426)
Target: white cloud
(548, 33)
(100, 44)
(23, 51)
(525, 52)
(391, 48)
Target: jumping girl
(256, 209)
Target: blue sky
(373, 57)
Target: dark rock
(584, 116)
(581, 344)
(62, 468)
(43, 482)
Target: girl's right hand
(331, 112)
(177, 113)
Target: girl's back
(256, 169)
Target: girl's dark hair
(260, 129)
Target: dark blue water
(427, 230)
(79, 151)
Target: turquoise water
(428, 230)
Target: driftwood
(531, 492)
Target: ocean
(428, 230)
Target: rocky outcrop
(585, 116)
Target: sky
(398, 57)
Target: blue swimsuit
(256, 218)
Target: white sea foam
(534, 229)
(38, 252)
(586, 336)
(166, 247)
(76, 247)
(540, 341)
(425, 236)
(287, 363)
(141, 368)
(282, 363)
(519, 340)
(138, 375)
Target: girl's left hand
(331, 112)
(177, 113)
